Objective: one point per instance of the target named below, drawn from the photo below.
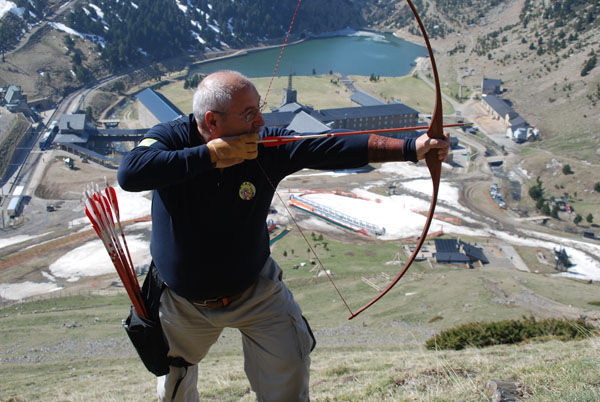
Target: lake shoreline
(226, 55)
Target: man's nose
(258, 120)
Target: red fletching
(101, 211)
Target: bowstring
(436, 122)
(280, 55)
(305, 239)
(269, 179)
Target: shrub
(480, 334)
(536, 191)
(540, 203)
(546, 209)
(567, 169)
(589, 65)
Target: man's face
(243, 116)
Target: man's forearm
(145, 168)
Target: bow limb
(435, 130)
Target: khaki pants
(276, 340)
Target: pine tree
(536, 191)
(554, 212)
(546, 209)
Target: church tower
(289, 93)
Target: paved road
(348, 83)
(515, 258)
(422, 76)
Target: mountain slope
(129, 34)
(544, 52)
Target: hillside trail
(64, 242)
(512, 291)
(28, 36)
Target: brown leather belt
(218, 302)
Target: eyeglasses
(248, 117)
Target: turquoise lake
(361, 53)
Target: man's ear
(210, 120)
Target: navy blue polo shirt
(209, 233)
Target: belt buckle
(218, 302)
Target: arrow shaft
(101, 210)
(275, 141)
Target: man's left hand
(424, 144)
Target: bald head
(217, 90)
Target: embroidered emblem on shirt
(247, 191)
(146, 142)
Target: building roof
(389, 109)
(449, 251)
(446, 245)
(278, 119)
(491, 83)
(474, 253)
(90, 153)
(107, 132)
(13, 94)
(451, 258)
(305, 123)
(517, 121)
(13, 203)
(161, 108)
(293, 107)
(316, 121)
(501, 107)
(498, 104)
(364, 99)
(72, 122)
(71, 138)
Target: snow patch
(94, 38)
(62, 27)
(17, 239)
(181, 6)
(405, 170)
(131, 206)
(447, 192)
(18, 291)
(98, 11)
(10, 7)
(91, 259)
(198, 37)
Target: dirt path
(68, 241)
(511, 291)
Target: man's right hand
(229, 151)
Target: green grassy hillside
(73, 348)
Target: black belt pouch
(146, 334)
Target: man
(212, 188)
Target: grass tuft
(504, 332)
